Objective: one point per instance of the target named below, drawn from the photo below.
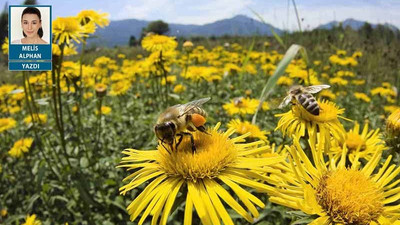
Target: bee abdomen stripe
(309, 103)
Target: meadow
(78, 144)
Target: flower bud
(101, 90)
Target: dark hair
(33, 10)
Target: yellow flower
(86, 16)
(88, 28)
(3, 212)
(187, 44)
(68, 50)
(121, 56)
(231, 68)
(357, 54)
(393, 122)
(66, 28)
(269, 68)
(338, 193)
(341, 52)
(199, 73)
(390, 108)
(338, 81)
(101, 89)
(4, 46)
(120, 88)
(21, 146)
(105, 110)
(7, 124)
(344, 73)
(31, 220)
(241, 106)
(317, 62)
(170, 79)
(383, 91)
(285, 81)
(219, 163)
(298, 121)
(362, 96)
(327, 94)
(38, 118)
(103, 61)
(156, 43)
(358, 82)
(179, 88)
(87, 95)
(246, 127)
(362, 145)
(393, 130)
(75, 108)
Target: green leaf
(302, 221)
(31, 201)
(84, 162)
(110, 182)
(14, 219)
(280, 70)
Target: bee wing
(316, 88)
(190, 105)
(285, 101)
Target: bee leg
(165, 147)
(179, 141)
(191, 140)
(202, 129)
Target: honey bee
(303, 95)
(180, 120)
(238, 101)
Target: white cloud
(144, 9)
(181, 11)
(314, 16)
(274, 12)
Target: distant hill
(354, 24)
(119, 32)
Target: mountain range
(354, 24)
(119, 32)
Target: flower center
(349, 197)
(355, 142)
(214, 152)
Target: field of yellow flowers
(78, 143)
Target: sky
(279, 13)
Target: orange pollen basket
(198, 120)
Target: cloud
(144, 9)
(315, 15)
(278, 13)
(180, 11)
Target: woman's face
(31, 24)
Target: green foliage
(132, 41)
(157, 27)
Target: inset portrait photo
(30, 25)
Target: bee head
(165, 132)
